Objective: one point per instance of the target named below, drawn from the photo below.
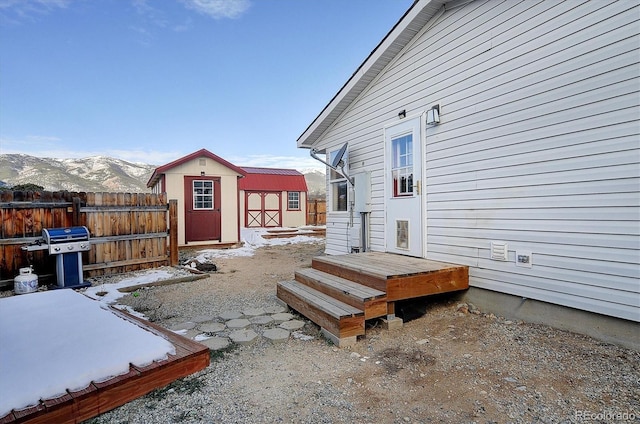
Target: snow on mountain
(96, 173)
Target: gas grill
(67, 244)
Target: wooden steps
(371, 301)
(341, 320)
(339, 293)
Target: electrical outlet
(524, 258)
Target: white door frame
(408, 210)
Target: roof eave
(420, 12)
(202, 152)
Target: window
(402, 165)
(338, 185)
(293, 200)
(202, 194)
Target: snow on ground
(252, 239)
(56, 340)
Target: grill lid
(65, 235)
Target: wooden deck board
(101, 397)
(334, 316)
(385, 265)
(355, 289)
(373, 302)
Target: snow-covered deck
(67, 358)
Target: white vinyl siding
(538, 146)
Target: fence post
(315, 212)
(75, 220)
(173, 232)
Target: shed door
(403, 224)
(263, 209)
(202, 208)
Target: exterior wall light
(402, 114)
(433, 115)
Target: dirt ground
(449, 362)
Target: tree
(27, 187)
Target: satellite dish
(335, 163)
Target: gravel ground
(449, 363)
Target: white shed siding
(538, 146)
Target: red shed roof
(272, 179)
(200, 153)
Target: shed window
(293, 200)
(202, 194)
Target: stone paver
(227, 315)
(202, 318)
(276, 335)
(253, 312)
(282, 317)
(190, 334)
(262, 319)
(212, 327)
(216, 343)
(238, 323)
(184, 326)
(294, 324)
(243, 337)
(276, 309)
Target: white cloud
(15, 11)
(218, 8)
(269, 161)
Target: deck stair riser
(338, 318)
(373, 302)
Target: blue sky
(153, 80)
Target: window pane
(202, 194)
(402, 166)
(294, 200)
(339, 196)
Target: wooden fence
(317, 212)
(128, 230)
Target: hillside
(96, 173)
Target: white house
(502, 135)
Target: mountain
(97, 174)
(316, 183)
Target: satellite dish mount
(337, 164)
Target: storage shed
(206, 187)
(273, 197)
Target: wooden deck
(340, 292)
(401, 277)
(98, 398)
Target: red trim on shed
(272, 179)
(195, 155)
